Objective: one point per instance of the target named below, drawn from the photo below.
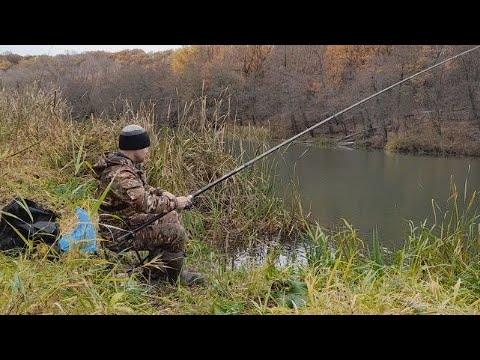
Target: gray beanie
(133, 137)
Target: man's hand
(184, 202)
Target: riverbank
(420, 137)
(46, 156)
(432, 275)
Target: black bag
(31, 220)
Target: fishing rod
(288, 141)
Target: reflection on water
(370, 188)
(273, 252)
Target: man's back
(127, 184)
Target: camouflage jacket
(129, 196)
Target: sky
(62, 49)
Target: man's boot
(173, 266)
(155, 274)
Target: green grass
(437, 271)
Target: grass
(437, 271)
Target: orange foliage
(340, 58)
(139, 57)
(184, 56)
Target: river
(372, 189)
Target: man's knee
(171, 218)
(171, 235)
(179, 235)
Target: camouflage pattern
(166, 233)
(129, 202)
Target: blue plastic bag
(82, 237)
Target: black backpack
(32, 221)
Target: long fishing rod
(275, 148)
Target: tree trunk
(305, 122)
(294, 124)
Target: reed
(46, 156)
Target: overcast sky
(62, 49)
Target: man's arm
(130, 188)
(158, 191)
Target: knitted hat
(133, 137)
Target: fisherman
(131, 202)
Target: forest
(285, 87)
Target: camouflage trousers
(165, 234)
